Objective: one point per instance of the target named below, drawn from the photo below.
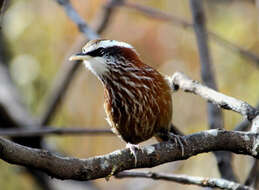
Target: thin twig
(184, 179)
(156, 14)
(78, 20)
(52, 131)
(107, 14)
(149, 156)
(65, 77)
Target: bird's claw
(178, 140)
(133, 148)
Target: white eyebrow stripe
(106, 44)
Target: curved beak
(79, 56)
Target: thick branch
(149, 156)
(184, 179)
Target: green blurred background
(41, 37)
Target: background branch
(253, 174)
(13, 111)
(215, 116)
(156, 14)
(48, 130)
(184, 179)
(77, 19)
(67, 72)
(3, 5)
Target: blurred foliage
(41, 37)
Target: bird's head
(102, 56)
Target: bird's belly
(131, 127)
(132, 134)
(138, 114)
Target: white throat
(97, 66)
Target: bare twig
(156, 14)
(107, 14)
(78, 20)
(67, 73)
(148, 156)
(52, 131)
(217, 98)
(184, 179)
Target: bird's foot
(178, 140)
(133, 148)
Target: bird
(137, 98)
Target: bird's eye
(97, 52)
(84, 50)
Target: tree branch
(156, 14)
(52, 131)
(65, 77)
(78, 20)
(215, 116)
(244, 125)
(217, 98)
(13, 111)
(184, 179)
(68, 71)
(148, 156)
(107, 14)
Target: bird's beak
(79, 56)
